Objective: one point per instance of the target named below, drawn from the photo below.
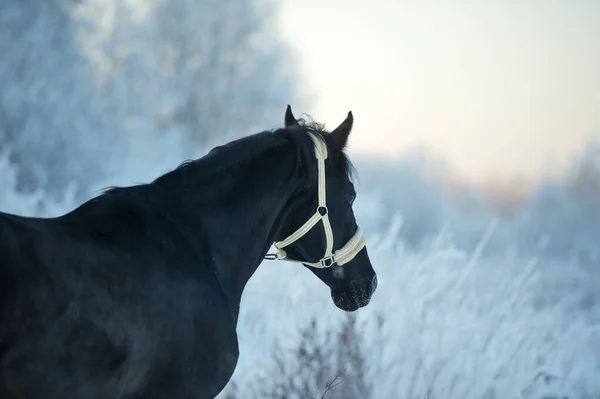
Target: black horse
(136, 293)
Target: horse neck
(239, 212)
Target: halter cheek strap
(342, 255)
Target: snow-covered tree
(104, 92)
(48, 106)
(184, 75)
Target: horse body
(135, 294)
(86, 314)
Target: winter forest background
(480, 295)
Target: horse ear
(339, 136)
(290, 119)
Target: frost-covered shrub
(325, 364)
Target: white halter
(342, 255)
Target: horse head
(335, 252)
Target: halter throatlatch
(342, 255)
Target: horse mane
(246, 149)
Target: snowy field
(470, 305)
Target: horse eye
(351, 197)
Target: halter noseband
(342, 255)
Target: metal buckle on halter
(279, 255)
(328, 261)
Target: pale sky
(494, 86)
